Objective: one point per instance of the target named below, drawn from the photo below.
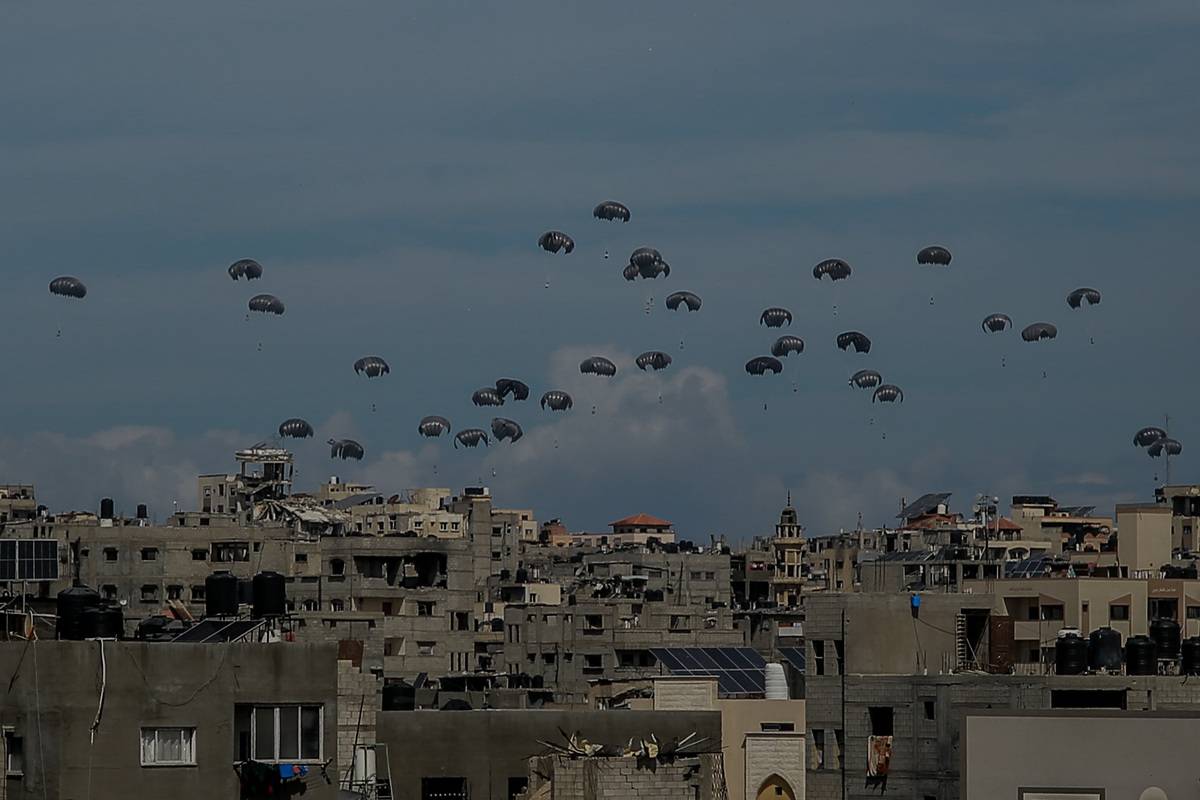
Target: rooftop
(640, 521)
(925, 504)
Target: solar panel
(794, 656)
(218, 630)
(739, 670)
(28, 560)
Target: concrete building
(1144, 537)
(790, 548)
(1084, 754)
(1184, 502)
(637, 530)
(1041, 518)
(173, 715)
(18, 503)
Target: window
(425, 608)
(710, 576)
(443, 789)
(301, 558)
(198, 594)
(680, 622)
(1118, 613)
(425, 648)
(1052, 612)
(817, 758)
(337, 605)
(149, 594)
(174, 592)
(778, 727)
(593, 664)
(819, 656)
(230, 551)
(279, 733)
(387, 608)
(459, 621)
(149, 554)
(930, 710)
(14, 755)
(517, 787)
(110, 554)
(594, 622)
(697, 575)
(839, 742)
(337, 567)
(199, 554)
(168, 747)
(839, 650)
(108, 591)
(882, 720)
(1193, 612)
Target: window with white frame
(286, 733)
(168, 747)
(14, 754)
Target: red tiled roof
(640, 521)
(1006, 524)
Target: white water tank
(777, 688)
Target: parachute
(1039, 331)
(858, 341)
(598, 365)
(66, 286)
(1077, 298)
(887, 393)
(775, 317)
(371, 366)
(611, 210)
(761, 365)
(653, 359)
(1164, 446)
(835, 268)
(646, 262)
(471, 437)
(689, 299)
(295, 428)
(519, 390)
(786, 345)
(246, 268)
(995, 323)
(346, 449)
(266, 304)
(487, 396)
(553, 241)
(1148, 436)
(557, 400)
(934, 254)
(866, 379)
(506, 429)
(433, 426)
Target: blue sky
(391, 165)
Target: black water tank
(221, 594)
(142, 511)
(72, 603)
(1141, 656)
(105, 621)
(1104, 650)
(270, 595)
(1070, 654)
(399, 696)
(106, 508)
(1165, 633)
(1190, 664)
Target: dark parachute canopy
(835, 268)
(371, 366)
(866, 379)
(345, 449)
(557, 400)
(68, 287)
(888, 393)
(598, 365)
(246, 268)
(761, 365)
(506, 429)
(553, 241)
(518, 390)
(786, 345)
(653, 359)
(470, 437)
(775, 317)
(646, 262)
(995, 323)
(487, 396)
(1148, 436)
(1039, 331)
(1165, 446)
(295, 428)
(855, 339)
(689, 299)
(1083, 295)
(611, 210)
(934, 254)
(266, 304)
(433, 426)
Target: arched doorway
(775, 788)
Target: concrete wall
(752, 754)
(1122, 755)
(490, 747)
(1144, 538)
(685, 694)
(57, 686)
(624, 778)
